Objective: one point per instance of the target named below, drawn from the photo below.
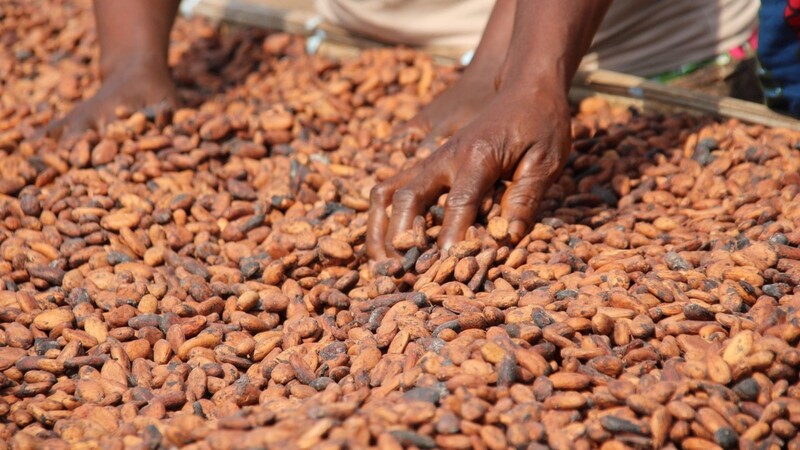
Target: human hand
(463, 101)
(457, 106)
(522, 135)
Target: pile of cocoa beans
(199, 279)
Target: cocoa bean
(199, 278)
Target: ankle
(147, 63)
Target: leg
(134, 40)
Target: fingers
(520, 203)
(410, 201)
(470, 171)
(409, 193)
(464, 201)
(470, 174)
(378, 220)
(533, 176)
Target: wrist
(535, 88)
(548, 77)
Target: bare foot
(134, 87)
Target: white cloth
(641, 37)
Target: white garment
(641, 37)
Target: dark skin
(134, 41)
(462, 102)
(522, 134)
(512, 122)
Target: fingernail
(517, 229)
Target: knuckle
(548, 164)
(480, 145)
(523, 198)
(379, 193)
(554, 156)
(480, 151)
(459, 200)
(484, 154)
(530, 186)
(403, 197)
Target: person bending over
(531, 50)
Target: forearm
(549, 39)
(496, 36)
